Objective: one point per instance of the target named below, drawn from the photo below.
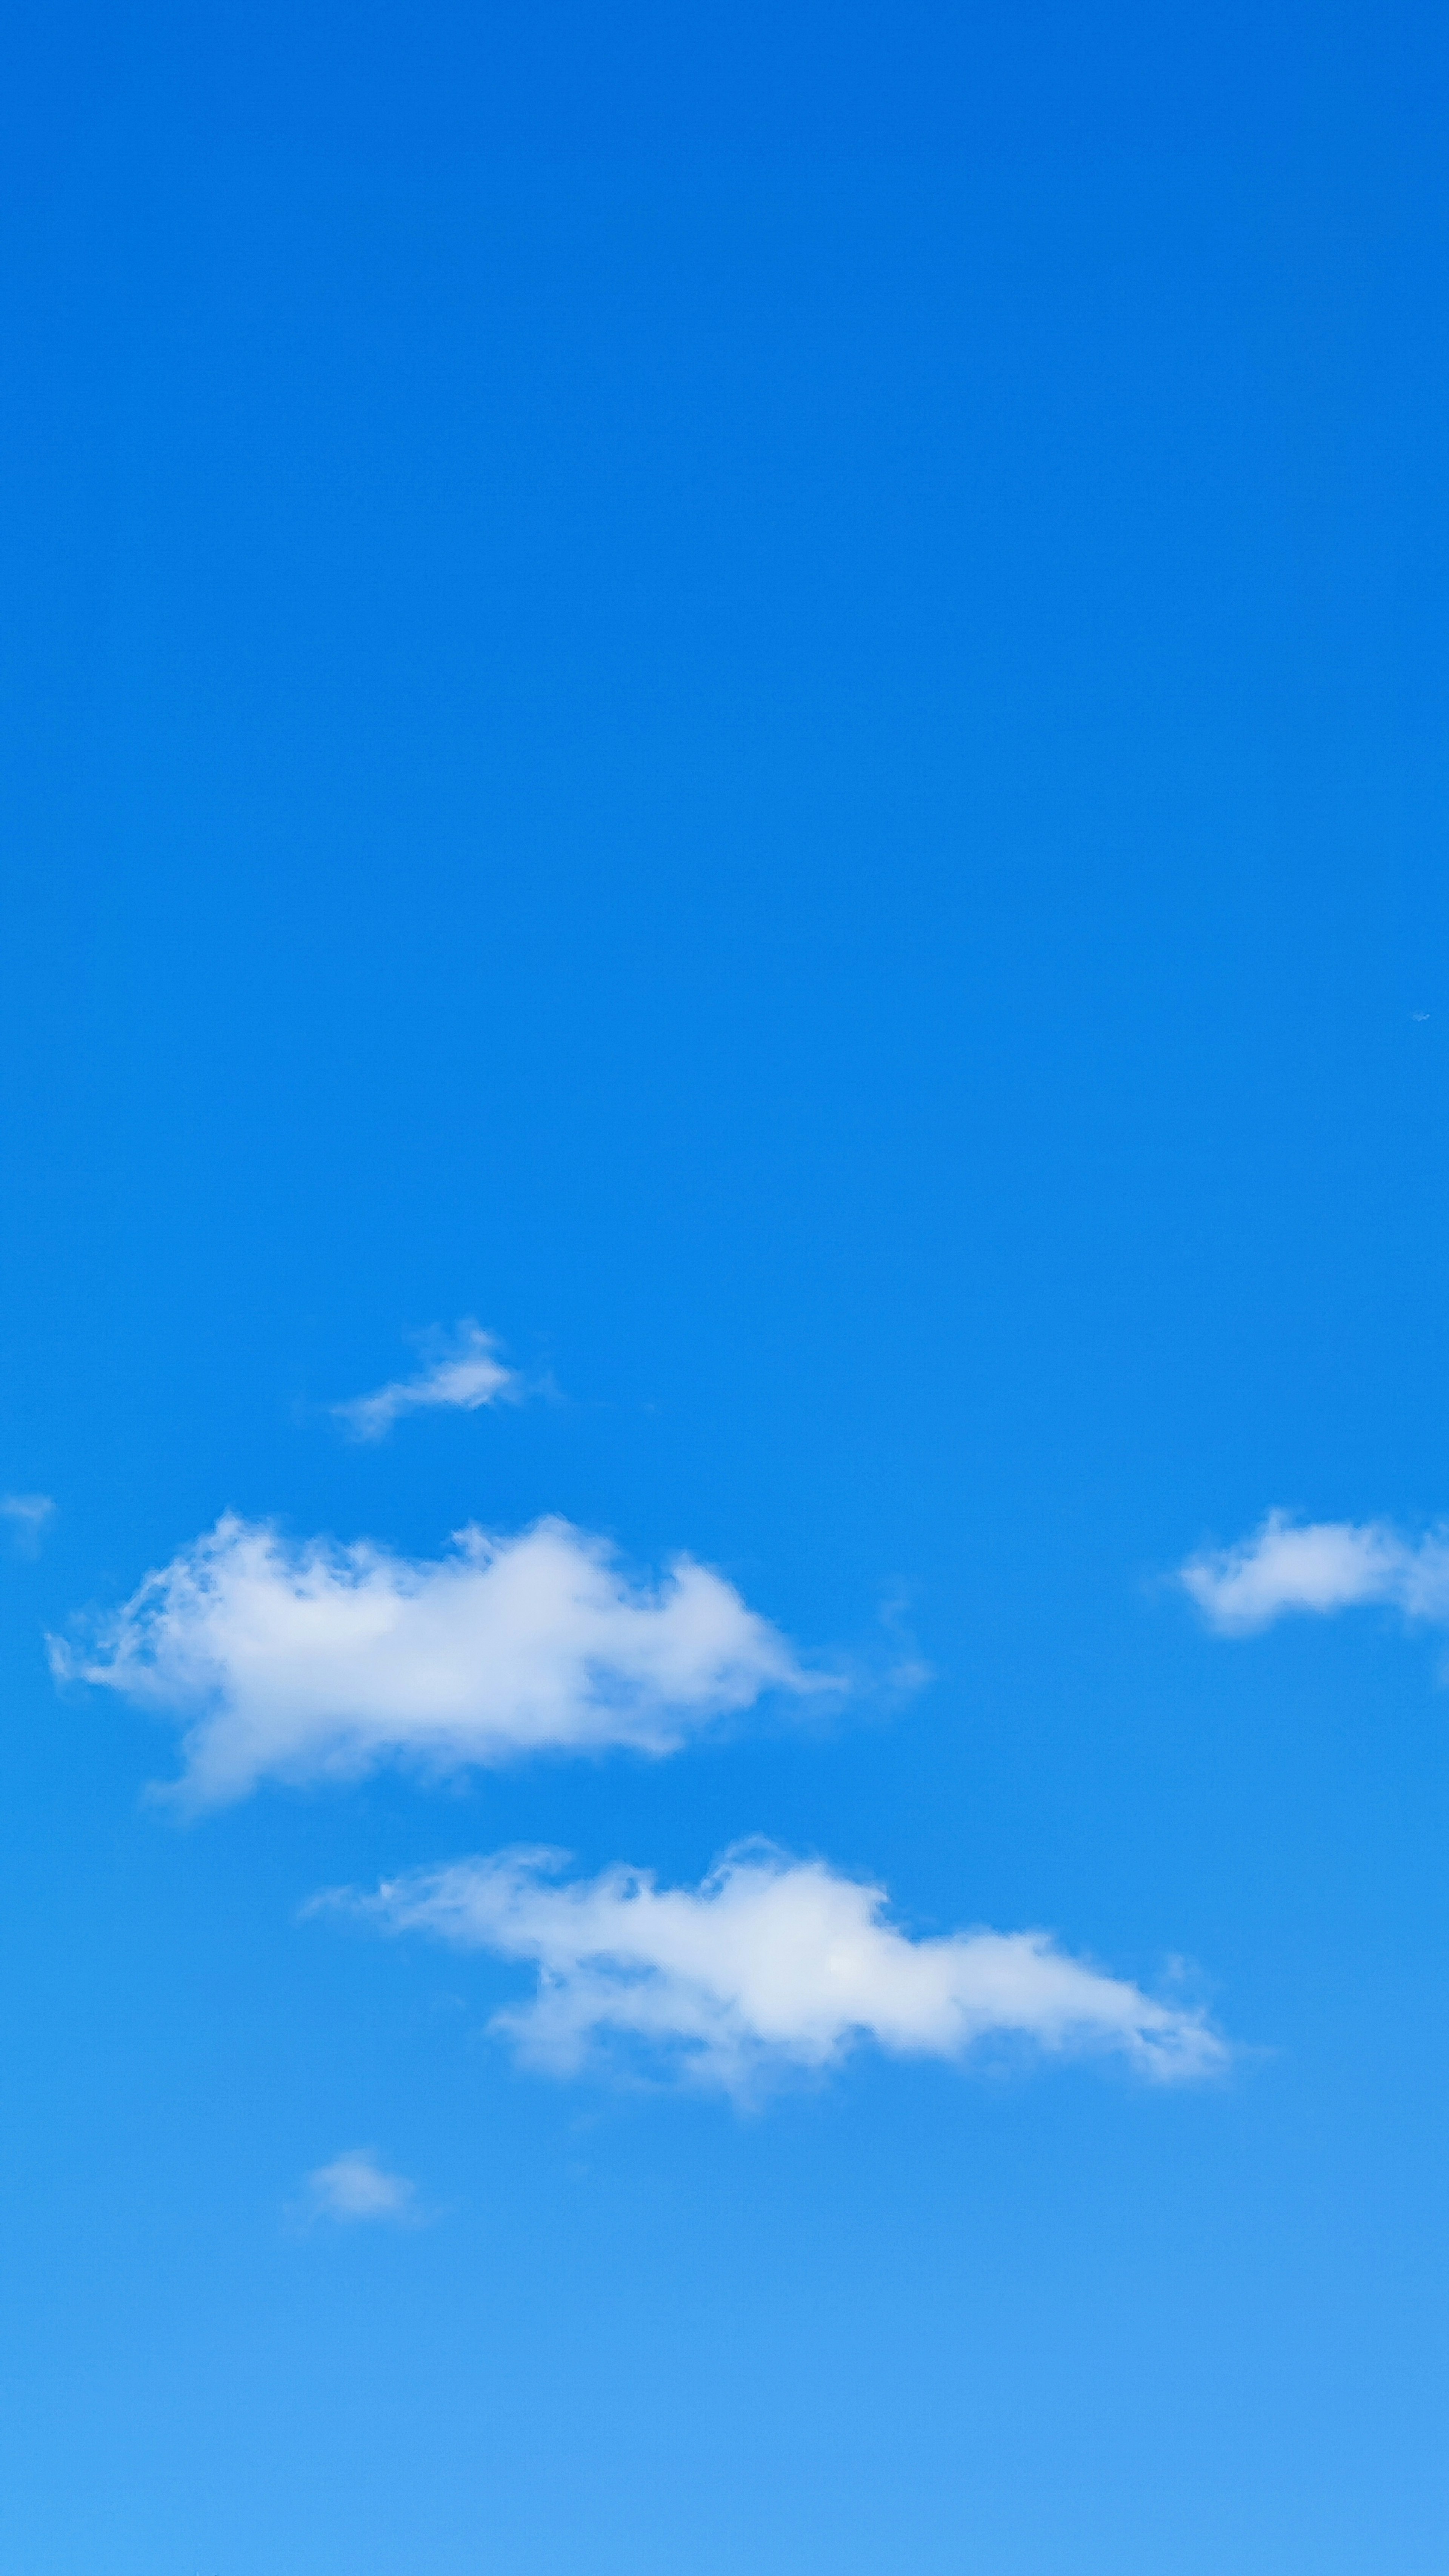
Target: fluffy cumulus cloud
(1319, 1566)
(355, 2189)
(317, 1661)
(464, 1372)
(772, 1963)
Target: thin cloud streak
(1320, 1567)
(771, 1964)
(321, 1662)
(466, 1374)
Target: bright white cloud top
(466, 1374)
(356, 2189)
(771, 1964)
(1319, 1566)
(321, 1662)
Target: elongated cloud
(1320, 1566)
(771, 1963)
(323, 1662)
(466, 1372)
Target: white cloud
(1320, 1566)
(28, 1515)
(323, 1662)
(466, 1372)
(772, 1963)
(355, 2188)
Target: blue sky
(723, 1038)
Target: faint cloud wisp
(464, 1372)
(29, 1515)
(355, 2190)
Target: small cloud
(909, 1671)
(355, 2189)
(28, 1515)
(464, 1371)
(1318, 1567)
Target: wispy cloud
(28, 1515)
(1319, 1566)
(772, 1963)
(319, 1662)
(355, 2190)
(464, 1371)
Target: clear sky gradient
(735, 722)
